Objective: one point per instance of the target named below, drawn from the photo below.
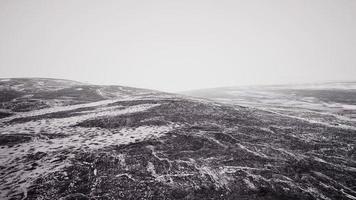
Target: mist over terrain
(178, 100)
(179, 45)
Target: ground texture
(67, 140)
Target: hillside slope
(332, 103)
(128, 143)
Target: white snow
(349, 107)
(76, 139)
(249, 184)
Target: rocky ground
(66, 140)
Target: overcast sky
(176, 45)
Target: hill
(70, 140)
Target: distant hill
(66, 140)
(26, 94)
(329, 102)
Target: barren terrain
(66, 140)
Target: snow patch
(249, 184)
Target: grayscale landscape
(62, 139)
(177, 100)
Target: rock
(75, 196)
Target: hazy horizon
(196, 89)
(179, 45)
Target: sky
(177, 45)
